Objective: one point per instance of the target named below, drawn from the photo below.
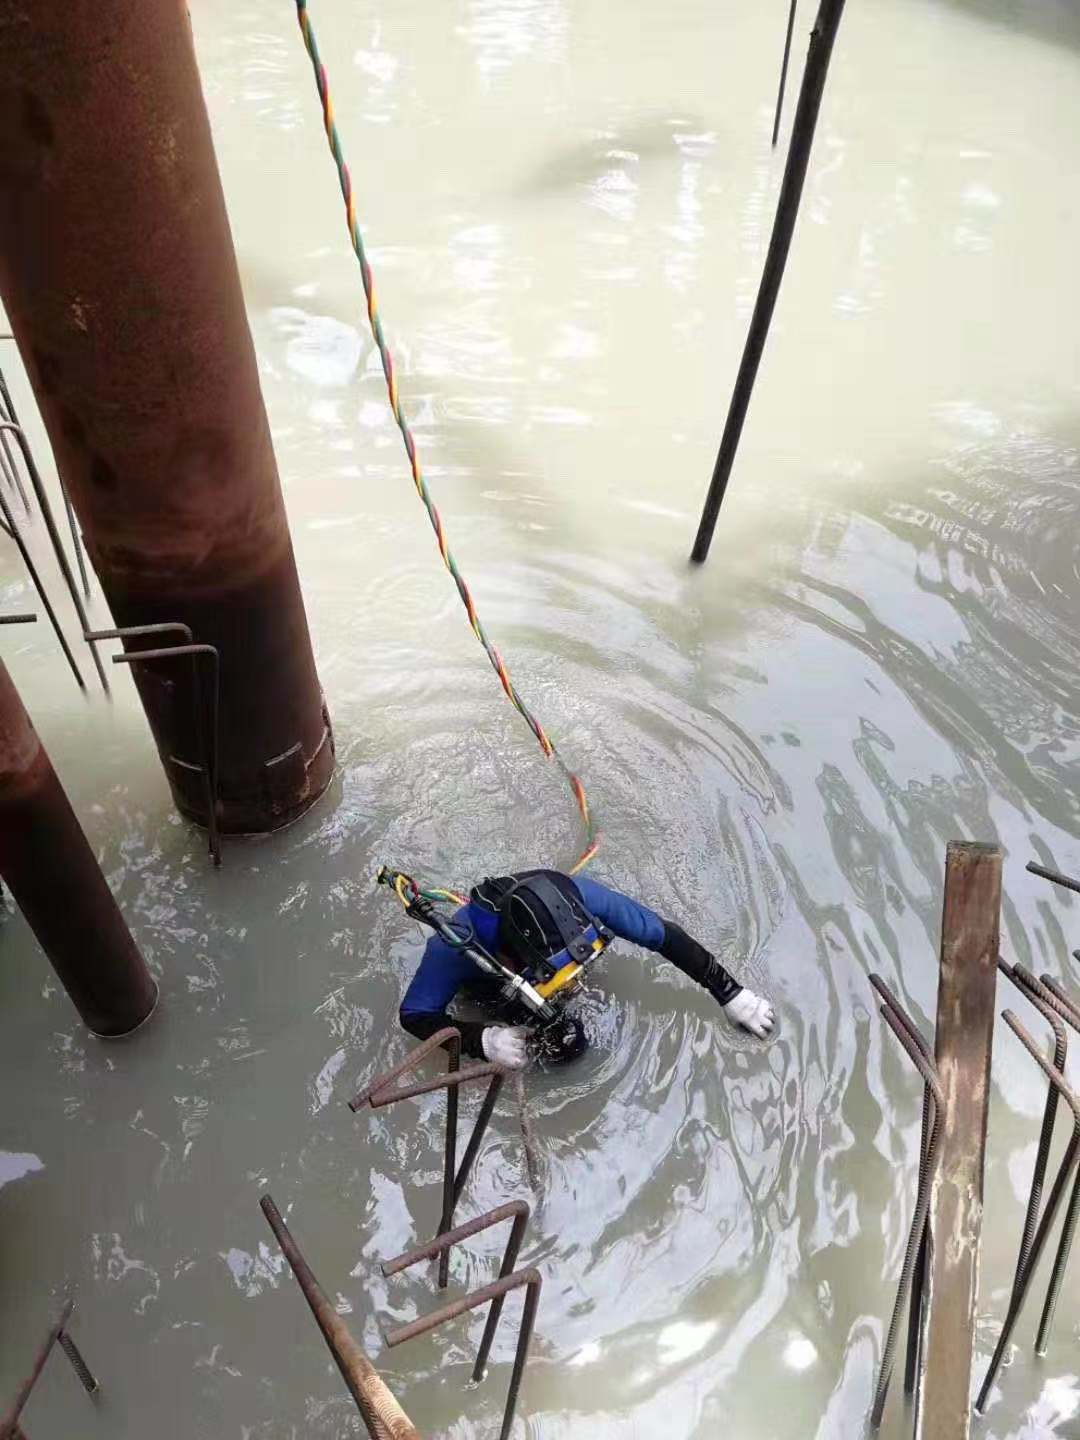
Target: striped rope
(497, 663)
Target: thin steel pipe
(32, 570)
(378, 1408)
(902, 1029)
(1072, 1154)
(783, 71)
(822, 38)
(1054, 876)
(54, 538)
(206, 743)
(497, 1290)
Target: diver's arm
(637, 923)
(425, 1009)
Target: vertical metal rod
(787, 211)
(510, 1254)
(1057, 1274)
(54, 537)
(449, 1162)
(922, 1203)
(521, 1355)
(32, 571)
(918, 1282)
(783, 72)
(477, 1136)
(1072, 1154)
(1029, 987)
(78, 1364)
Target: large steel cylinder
(118, 273)
(53, 876)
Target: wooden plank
(965, 1030)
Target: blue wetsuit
(444, 971)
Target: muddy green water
(567, 204)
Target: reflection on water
(567, 208)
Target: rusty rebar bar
(9, 1424)
(783, 72)
(7, 464)
(1072, 1154)
(446, 1220)
(497, 1290)
(26, 617)
(918, 1282)
(378, 1408)
(1030, 988)
(1072, 1213)
(1066, 1007)
(901, 1027)
(1054, 876)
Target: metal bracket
(206, 734)
(383, 1091)
(494, 1294)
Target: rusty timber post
(118, 273)
(965, 1029)
(51, 871)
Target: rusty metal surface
(139, 353)
(9, 1423)
(57, 883)
(380, 1411)
(964, 1040)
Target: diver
(519, 946)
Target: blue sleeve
(625, 917)
(441, 973)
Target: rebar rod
(39, 586)
(1054, 876)
(900, 1027)
(1072, 1154)
(9, 1422)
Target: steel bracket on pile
(206, 731)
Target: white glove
(505, 1045)
(750, 1011)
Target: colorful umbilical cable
(497, 664)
